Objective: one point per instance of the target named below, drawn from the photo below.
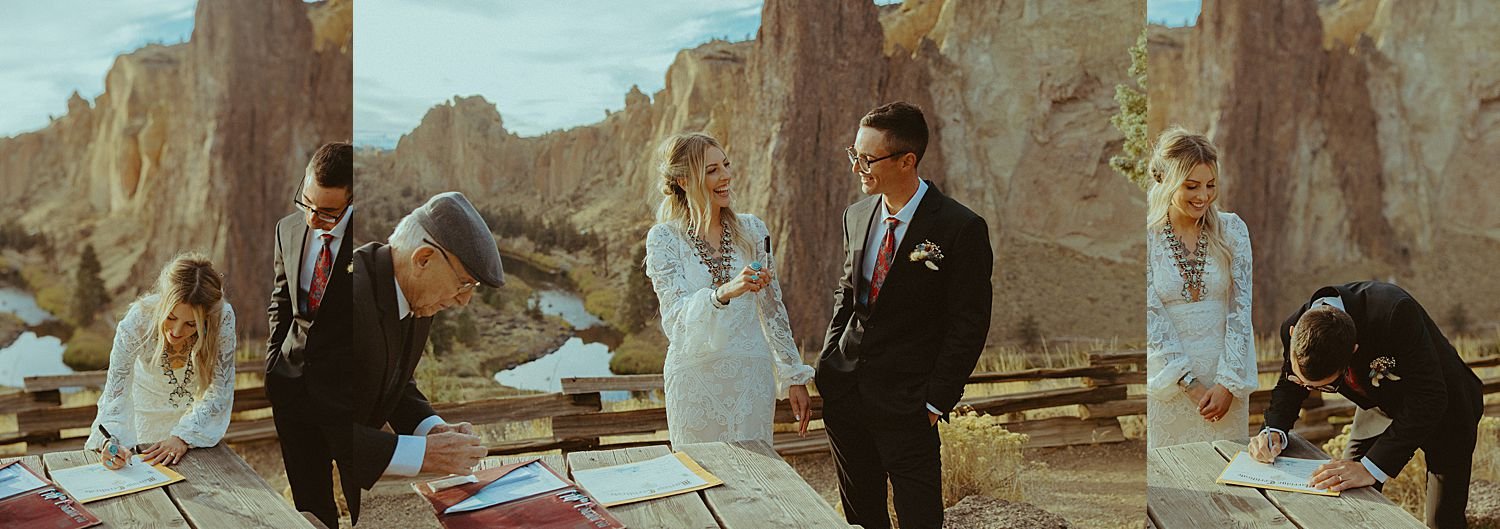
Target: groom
(310, 325)
(1372, 343)
(911, 314)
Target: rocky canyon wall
(194, 146)
(1359, 141)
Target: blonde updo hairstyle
(680, 162)
(190, 278)
(1176, 154)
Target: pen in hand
(114, 444)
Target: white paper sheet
(525, 481)
(92, 482)
(1286, 473)
(14, 480)
(653, 478)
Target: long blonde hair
(687, 201)
(1177, 153)
(190, 278)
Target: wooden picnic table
(218, 490)
(1181, 492)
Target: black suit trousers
(869, 448)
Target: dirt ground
(1092, 487)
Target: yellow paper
(88, 483)
(660, 477)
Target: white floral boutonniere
(928, 254)
(1380, 368)
(350, 268)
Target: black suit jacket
(386, 351)
(919, 342)
(1437, 392)
(307, 346)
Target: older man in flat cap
(434, 260)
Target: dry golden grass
(980, 457)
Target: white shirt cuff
(407, 461)
(1284, 439)
(427, 425)
(1380, 476)
(933, 409)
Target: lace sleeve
(790, 369)
(206, 422)
(1237, 369)
(689, 318)
(115, 409)
(1166, 362)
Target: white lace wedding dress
(1211, 338)
(725, 367)
(135, 405)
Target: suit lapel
(865, 215)
(295, 235)
(921, 225)
(390, 321)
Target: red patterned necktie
(883, 259)
(321, 271)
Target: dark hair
(1323, 342)
(333, 165)
(904, 127)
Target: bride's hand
(167, 452)
(801, 407)
(1215, 403)
(748, 280)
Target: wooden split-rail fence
(41, 417)
(579, 422)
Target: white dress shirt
(314, 244)
(877, 236)
(410, 449)
(1380, 476)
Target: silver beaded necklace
(1190, 266)
(180, 392)
(718, 266)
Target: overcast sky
(48, 49)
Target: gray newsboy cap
(454, 224)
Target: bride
(730, 354)
(171, 371)
(1200, 347)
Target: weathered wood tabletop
(760, 489)
(219, 490)
(1181, 493)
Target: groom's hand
(1341, 475)
(1263, 449)
(463, 428)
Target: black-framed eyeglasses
(323, 215)
(863, 163)
(463, 286)
(1325, 388)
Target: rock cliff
(194, 146)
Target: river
(30, 354)
(585, 354)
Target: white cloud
(49, 49)
(1173, 12)
(546, 64)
